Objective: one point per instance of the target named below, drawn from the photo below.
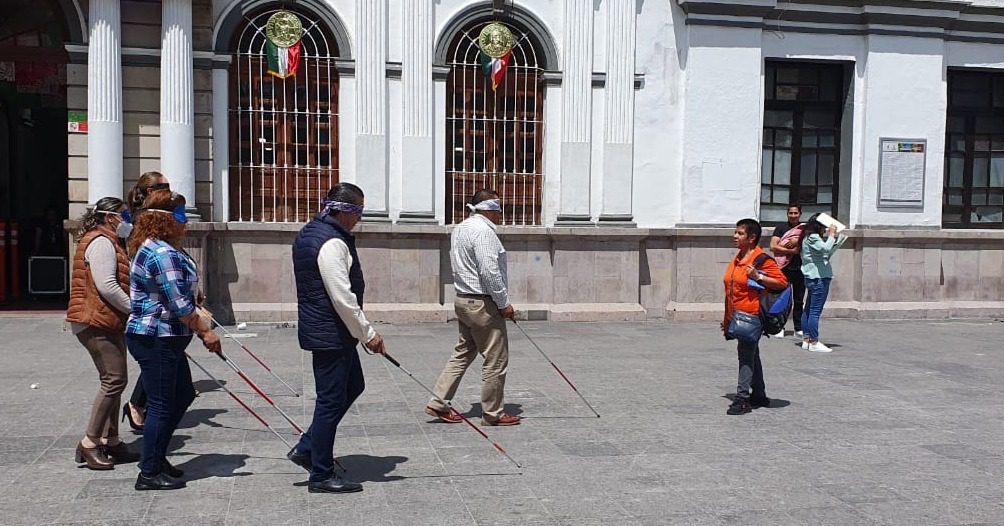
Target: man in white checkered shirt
(482, 305)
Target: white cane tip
(34, 386)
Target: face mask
(123, 230)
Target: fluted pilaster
(418, 183)
(104, 101)
(177, 98)
(371, 104)
(618, 147)
(577, 110)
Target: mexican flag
(494, 68)
(282, 61)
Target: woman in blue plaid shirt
(164, 282)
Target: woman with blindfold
(99, 305)
(164, 282)
(135, 409)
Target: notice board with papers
(901, 172)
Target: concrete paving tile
(133, 507)
(187, 502)
(505, 511)
(896, 438)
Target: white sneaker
(799, 334)
(818, 347)
(805, 345)
(778, 335)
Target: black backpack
(774, 305)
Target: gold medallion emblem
(496, 40)
(284, 29)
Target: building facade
(626, 139)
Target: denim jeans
(338, 380)
(817, 289)
(167, 381)
(797, 281)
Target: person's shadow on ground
(213, 465)
(477, 411)
(207, 386)
(197, 417)
(368, 468)
(775, 403)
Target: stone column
(618, 136)
(371, 106)
(177, 99)
(418, 183)
(104, 101)
(577, 113)
(221, 141)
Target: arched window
(494, 139)
(283, 132)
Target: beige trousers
(108, 351)
(482, 330)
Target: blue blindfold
(178, 213)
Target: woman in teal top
(818, 245)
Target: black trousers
(797, 281)
(338, 380)
(750, 371)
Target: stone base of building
(603, 274)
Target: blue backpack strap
(760, 259)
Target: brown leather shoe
(503, 420)
(94, 457)
(444, 416)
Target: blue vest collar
(330, 220)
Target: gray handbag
(744, 326)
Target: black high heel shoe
(127, 415)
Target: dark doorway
(801, 138)
(33, 155)
(974, 151)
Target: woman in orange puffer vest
(99, 305)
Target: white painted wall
(722, 116)
(698, 118)
(905, 96)
(661, 47)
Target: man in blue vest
(329, 291)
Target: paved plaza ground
(901, 424)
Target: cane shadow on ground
(368, 468)
(775, 403)
(214, 465)
(197, 417)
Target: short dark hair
(484, 194)
(346, 193)
(795, 205)
(751, 226)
